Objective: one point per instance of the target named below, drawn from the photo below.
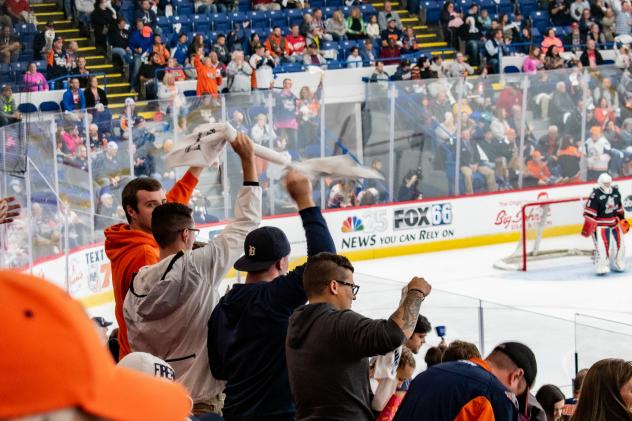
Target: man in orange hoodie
(131, 246)
(209, 77)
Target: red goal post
(537, 221)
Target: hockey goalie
(604, 220)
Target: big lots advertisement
(444, 222)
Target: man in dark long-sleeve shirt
(329, 345)
(248, 327)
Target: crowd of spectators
(314, 360)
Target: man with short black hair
(328, 330)
(170, 302)
(482, 389)
(131, 246)
(247, 330)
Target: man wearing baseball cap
(247, 330)
(472, 389)
(76, 379)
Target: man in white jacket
(170, 303)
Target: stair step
(402, 12)
(38, 5)
(413, 19)
(420, 27)
(95, 58)
(78, 39)
(88, 48)
(55, 22)
(426, 35)
(123, 95)
(109, 75)
(382, 4)
(433, 44)
(99, 66)
(45, 14)
(118, 85)
(66, 31)
(442, 52)
(122, 105)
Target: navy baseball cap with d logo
(262, 248)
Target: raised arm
(183, 189)
(406, 314)
(219, 255)
(9, 209)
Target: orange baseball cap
(51, 358)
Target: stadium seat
(27, 108)
(221, 23)
(433, 11)
(237, 18)
(294, 67)
(489, 5)
(201, 23)
(333, 3)
(278, 18)
(317, 4)
(540, 19)
(163, 23)
(183, 8)
(505, 7)
(190, 93)
(511, 69)
(368, 11)
(185, 23)
(259, 20)
(294, 16)
(334, 65)
(48, 106)
(527, 7)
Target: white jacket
(84, 6)
(169, 304)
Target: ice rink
(557, 307)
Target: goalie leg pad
(600, 238)
(617, 250)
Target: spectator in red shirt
(20, 11)
(295, 44)
(391, 51)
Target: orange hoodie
(129, 250)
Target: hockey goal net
(539, 222)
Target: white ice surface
(543, 303)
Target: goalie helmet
(605, 183)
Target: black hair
(321, 269)
(168, 220)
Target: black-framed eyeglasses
(195, 231)
(354, 288)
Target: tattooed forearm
(406, 315)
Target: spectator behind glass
(532, 62)
(552, 400)
(335, 26)
(181, 51)
(93, 94)
(9, 45)
(606, 393)
(33, 80)
(103, 18)
(353, 59)
(296, 44)
(355, 26)
(409, 188)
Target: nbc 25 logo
(367, 222)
